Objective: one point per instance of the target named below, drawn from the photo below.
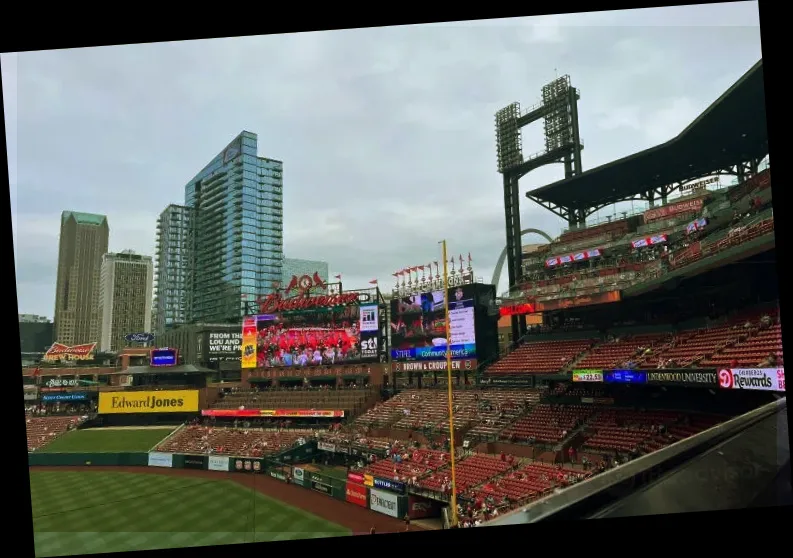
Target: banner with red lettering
(357, 494)
(649, 241)
(275, 413)
(575, 257)
(673, 209)
(421, 508)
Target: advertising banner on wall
(321, 487)
(764, 379)
(248, 346)
(355, 478)
(587, 375)
(279, 413)
(673, 209)
(223, 345)
(218, 463)
(64, 397)
(683, 378)
(356, 494)
(59, 351)
(157, 459)
(384, 502)
(325, 446)
(195, 461)
(433, 366)
(387, 484)
(132, 402)
(625, 377)
(420, 508)
(298, 474)
(247, 465)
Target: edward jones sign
(131, 402)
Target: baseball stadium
(628, 357)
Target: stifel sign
(64, 352)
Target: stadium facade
(83, 242)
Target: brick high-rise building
(83, 242)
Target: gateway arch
(503, 257)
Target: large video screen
(349, 335)
(418, 325)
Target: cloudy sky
(387, 135)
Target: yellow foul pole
(449, 383)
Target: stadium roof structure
(729, 132)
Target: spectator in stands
(765, 321)
(770, 361)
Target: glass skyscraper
(172, 263)
(235, 233)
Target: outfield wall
(379, 495)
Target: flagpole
(449, 382)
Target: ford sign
(139, 337)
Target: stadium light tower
(559, 112)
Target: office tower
(35, 333)
(172, 262)
(83, 242)
(292, 267)
(236, 233)
(125, 296)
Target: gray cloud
(386, 134)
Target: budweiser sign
(64, 352)
(274, 303)
(673, 209)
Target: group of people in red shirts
(280, 345)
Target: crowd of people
(279, 345)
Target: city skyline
(376, 126)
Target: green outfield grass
(91, 512)
(106, 440)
